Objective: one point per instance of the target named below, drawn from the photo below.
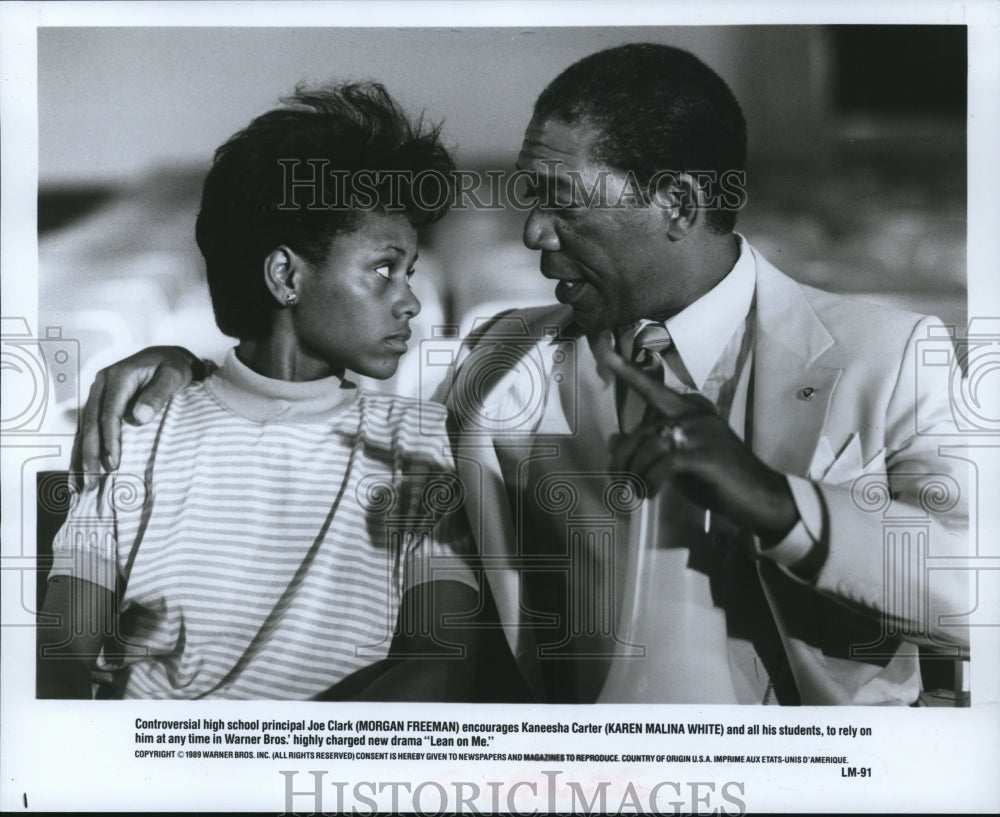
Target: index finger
(117, 394)
(661, 397)
(85, 462)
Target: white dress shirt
(712, 354)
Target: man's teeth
(570, 284)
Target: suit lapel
(792, 388)
(594, 392)
(477, 461)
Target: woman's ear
(282, 275)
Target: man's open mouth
(568, 291)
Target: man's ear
(681, 199)
(282, 274)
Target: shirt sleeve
(808, 531)
(86, 545)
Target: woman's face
(354, 309)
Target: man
(768, 419)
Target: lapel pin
(806, 393)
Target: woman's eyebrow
(394, 249)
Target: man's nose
(539, 232)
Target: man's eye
(384, 271)
(409, 275)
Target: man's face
(355, 308)
(612, 262)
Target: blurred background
(856, 181)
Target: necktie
(648, 348)
(650, 341)
(668, 604)
(733, 583)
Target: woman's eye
(384, 271)
(409, 276)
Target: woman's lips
(397, 343)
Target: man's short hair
(303, 173)
(656, 108)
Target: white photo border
(69, 756)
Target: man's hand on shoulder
(134, 390)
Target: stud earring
(291, 299)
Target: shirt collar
(702, 330)
(265, 399)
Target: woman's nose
(407, 303)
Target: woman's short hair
(656, 109)
(303, 173)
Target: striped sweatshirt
(261, 534)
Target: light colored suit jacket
(843, 392)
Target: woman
(262, 535)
